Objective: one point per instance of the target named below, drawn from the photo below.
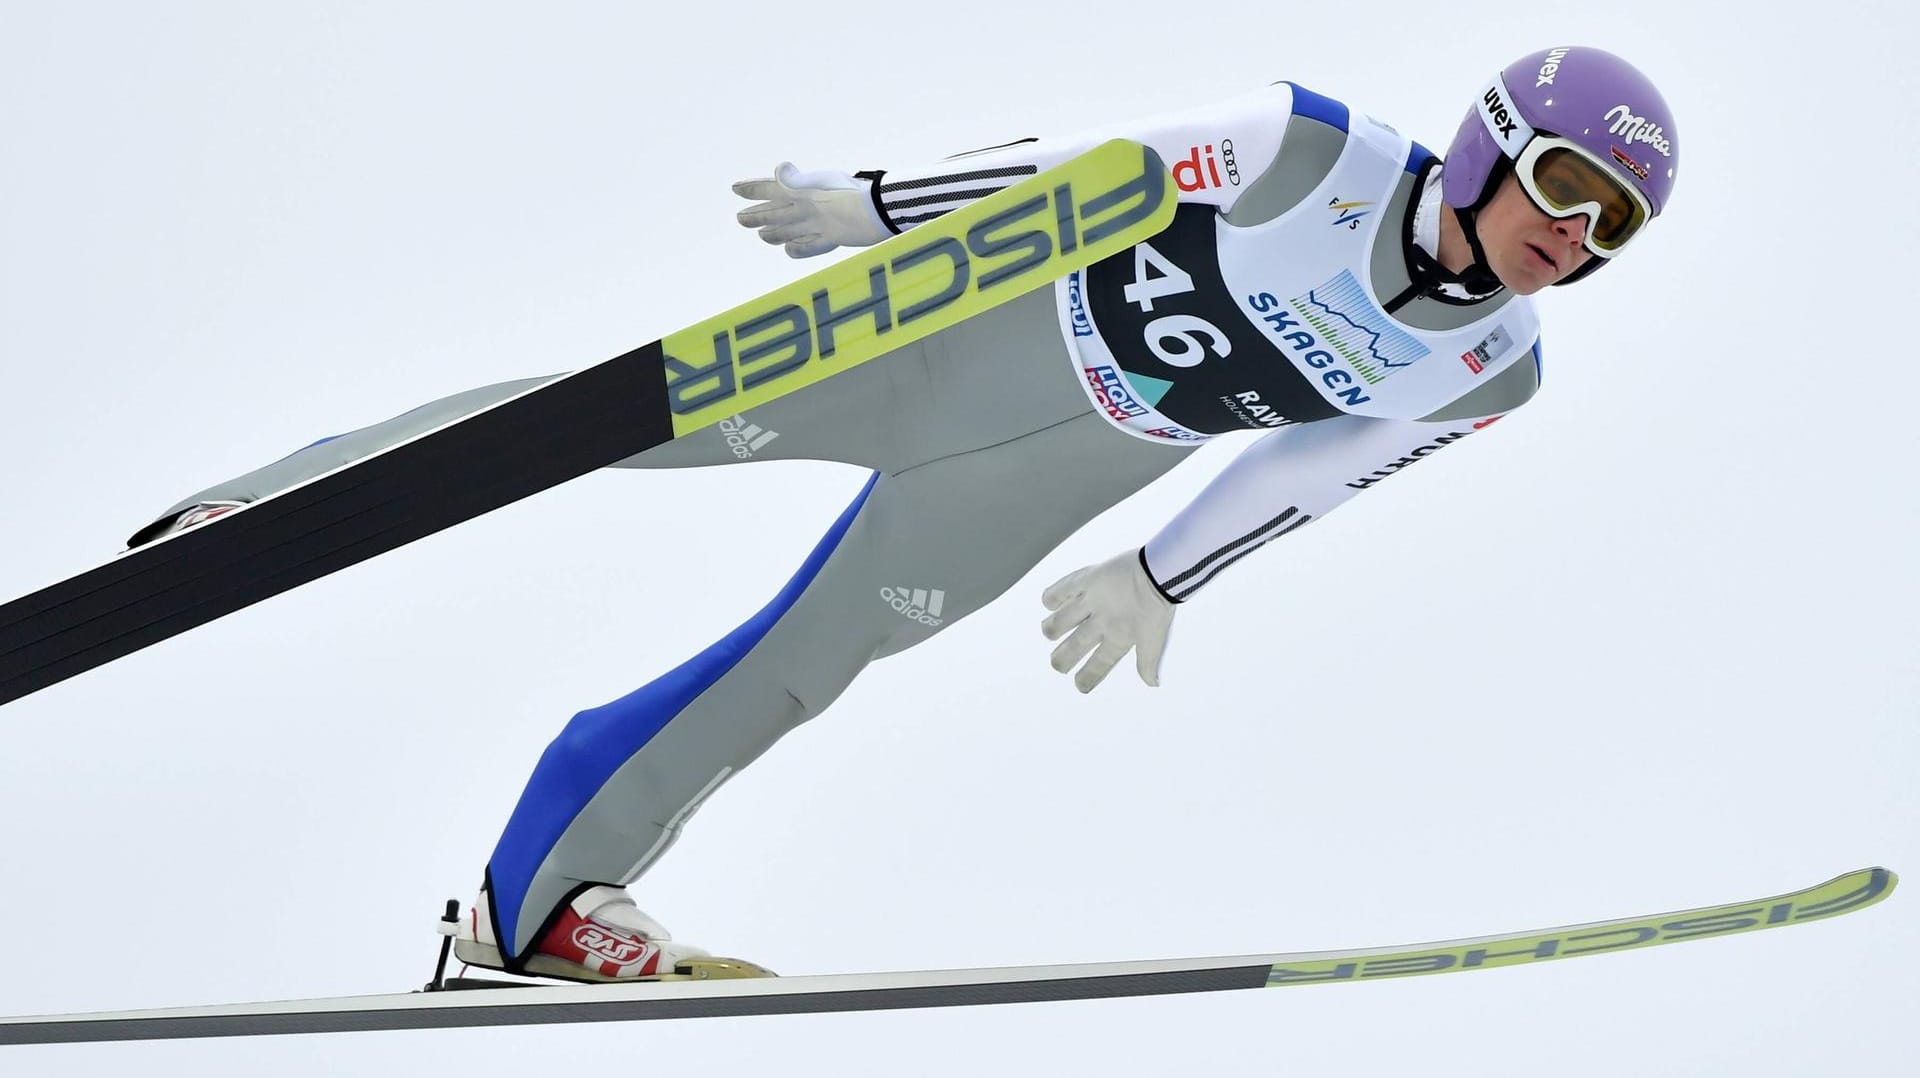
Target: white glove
(1109, 609)
(811, 213)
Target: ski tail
(915, 284)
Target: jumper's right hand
(1105, 611)
(811, 213)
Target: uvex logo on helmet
(1497, 112)
(1638, 129)
(1549, 67)
(1502, 119)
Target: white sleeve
(1215, 152)
(1279, 483)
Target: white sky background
(1648, 644)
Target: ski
(872, 302)
(457, 1003)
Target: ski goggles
(1565, 180)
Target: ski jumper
(1264, 306)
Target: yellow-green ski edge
(1842, 894)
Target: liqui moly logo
(1077, 307)
(1203, 167)
(1112, 393)
(1637, 129)
(612, 946)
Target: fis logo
(1636, 129)
(615, 947)
(916, 604)
(1112, 393)
(744, 438)
(1188, 175)
(1347, 213)
(1077, 307)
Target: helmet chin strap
(1431, 277)
(1478, 277)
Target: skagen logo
(1637, 129)
(1498, 114)
(916, 604)
(1548, 67)
(614, 948)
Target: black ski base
(557, 432)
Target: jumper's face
(1527, 249)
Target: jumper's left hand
(1108, 609)
(811, 213)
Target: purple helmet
(1586, 96)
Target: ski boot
(191, 516)
(601, 937)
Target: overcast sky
(1648, 644)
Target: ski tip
(1843, 894)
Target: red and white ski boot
(601, 936)
(191, 517)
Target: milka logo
(917, 604)
(1548, 67)
(608, 945)
(744, 438)
(1637, 129)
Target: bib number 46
(1178, 340)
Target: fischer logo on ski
(949, 269)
